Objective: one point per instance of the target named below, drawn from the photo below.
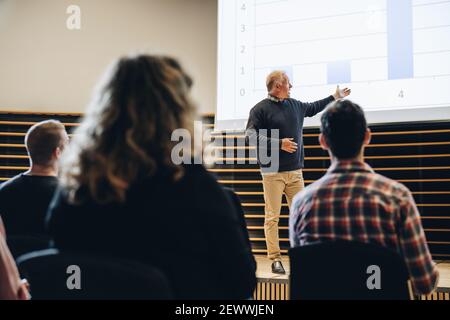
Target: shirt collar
(274, 99)
(342, 166)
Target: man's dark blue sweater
(287, 116)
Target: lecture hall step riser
(417, 154)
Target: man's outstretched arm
(313, 108)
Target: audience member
(24, 199)
(11, 287)
(352, 202)
(122, 195)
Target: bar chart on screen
(394, 54)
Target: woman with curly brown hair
(122, 195)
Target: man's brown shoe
(277, 267)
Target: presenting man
(277, 123)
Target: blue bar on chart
(400, 39)
(339, 72)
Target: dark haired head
(176, 65)
(343, 125)
(42, 139)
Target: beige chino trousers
(275, 184)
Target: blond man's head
(278, 84)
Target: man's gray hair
(277, 76)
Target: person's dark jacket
(238, 207)
(188, 229)
(24, 202)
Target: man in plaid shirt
(352, 202)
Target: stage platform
(276, 287)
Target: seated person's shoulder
(390, 187)
(197, 172)
(191, 175)
(310, 192)
(390, 182)
(196, 176)
(11, 184)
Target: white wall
(46, 67)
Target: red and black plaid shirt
(352, 202)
